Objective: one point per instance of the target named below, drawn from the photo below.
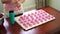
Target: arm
(6, 1)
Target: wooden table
(48, 28)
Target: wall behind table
(29, 5)
(1, 6)
(55, 4)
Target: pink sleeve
(10, 6)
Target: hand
(13, 1)
(18, 4)
(21, 1)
